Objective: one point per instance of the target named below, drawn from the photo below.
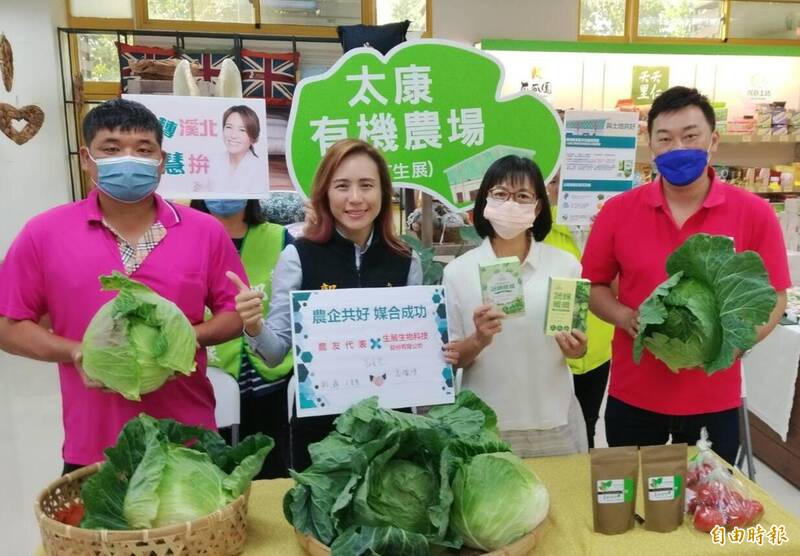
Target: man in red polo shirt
(631, 239)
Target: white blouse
(522, 374)
(249, 176)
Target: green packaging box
(567, 305)
(501, 285)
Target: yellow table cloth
(568, 529)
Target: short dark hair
(676, 98)
(253, 213)
(122, 114)
(515, 170)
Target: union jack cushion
(269, 76)
(130, 54)
(210, 62)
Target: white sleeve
(415, 275)
(275, 339)
(455, 321)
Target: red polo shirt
(633, 236)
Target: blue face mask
(127, 179)
(682, 166)
(225, 207)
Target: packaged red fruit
(715, 495)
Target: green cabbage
(152, 479)
(136, 341)
(381, 483)
(496, 500)
(710, 306)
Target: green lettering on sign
(432, 107)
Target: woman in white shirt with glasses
(510, 362)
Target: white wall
(33, 176)
(470, 21)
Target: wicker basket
(522, 546)
(222, 533)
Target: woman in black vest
(351, 244)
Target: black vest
(333, 264)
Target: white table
(770, 372)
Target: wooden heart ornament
(6, 62)
(33, 116)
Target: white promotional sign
(216, 147)
(598, 164)
(351, 344)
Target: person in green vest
(262, 388)
(590, 372)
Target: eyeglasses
(522, 197)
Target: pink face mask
(509, 218)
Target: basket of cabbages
(164, 489)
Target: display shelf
(738, 139)
(776, 195)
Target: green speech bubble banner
(434, 110)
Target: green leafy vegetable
(152, 479)
(137, 340)
(496, 500)
(381, 483)
(710, 306)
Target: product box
(567, 305)
(780, 130)
(764, 119)
(780, 117)
(501, 285)
(742, 125)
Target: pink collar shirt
(53, 268)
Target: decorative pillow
(210, 62)
(380, 37)
(270, 76)
(129, 55)
(283, 207)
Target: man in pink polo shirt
(631, 239)
(52, 268)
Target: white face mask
(509, 218)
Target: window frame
(631, 33)
(102, 90)
(626, 33)
(142, 21)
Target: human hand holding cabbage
(628, 320)
(76, 357)
(249, 305)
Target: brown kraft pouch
(615, 474)
(664, 483)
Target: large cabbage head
(709, 307)
(496, 500)
(152, 479)
(136, 341)
(397, 492)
